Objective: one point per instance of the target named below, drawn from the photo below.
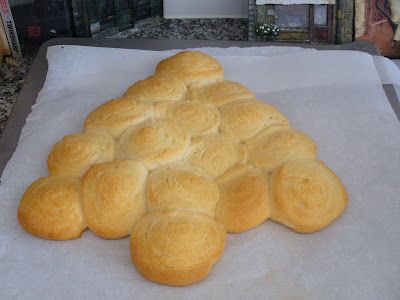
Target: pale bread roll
(215, 154)
(181, 186)
(220, 93)
(75, 153)
(157, 88)
(306, 195)
(176, 248)
(155, 143)
(278, 144)
(161, 109)
(244, 198)
(113, 197)
(197, 117)
(245, 118)
(116, 115)
(193, 67)
(51, 208)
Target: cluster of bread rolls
(178, 161)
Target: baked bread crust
(176, 247)
(118, 114)
(244, 198)
(182, 186)
(220, 93)
(75, 153)
(113, 197)
(215, 154)
(51, 208)
(306, 195)
(243, 119)
(276, 145)
(193, 67)
(197, 117)
(155, 143)
(157, 88)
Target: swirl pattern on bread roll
(74, 154)
(157, 88)
(51, 208)
(244, 198)
(113, 197)
(181, 186)
(193, 67)
(278, 144)
(306, 195)
(215, 154)
(154, 143)
(197, 117)
(176, 247)
(220, 93)
(116, 115)
(245, 118)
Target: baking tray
(38, 71)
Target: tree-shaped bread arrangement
(180, 160)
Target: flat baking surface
(336, 98)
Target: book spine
(4, 47)
(10, 29)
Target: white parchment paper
(335, 97)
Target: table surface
(37, 75)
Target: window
(292, 16)
(320, 15)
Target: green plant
(267, 31)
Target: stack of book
(9, 43)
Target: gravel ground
(192, 29)
(12, 77)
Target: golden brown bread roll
(197, 117)
(118, 114)
(244, 198)
(157, 88)
(193, 67)
(113, 197)
(245, 118)
(155, 143)
(306, 195)
(176, 247)
(215, 154)
(51, 208)
(181, 186)
(278, 144)
(220, 93)
(75, 153)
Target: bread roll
(215, 154)
(176, 247)
(245, 118)
(181, 186)
(118, 114)
(154, 143)
(157, 88)
(197, 117)
(51, 208)
(193, 67)
(278, 144)
(306, 195)
(244, 200)
(75, 153)
(113, 197)
(220, 93)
